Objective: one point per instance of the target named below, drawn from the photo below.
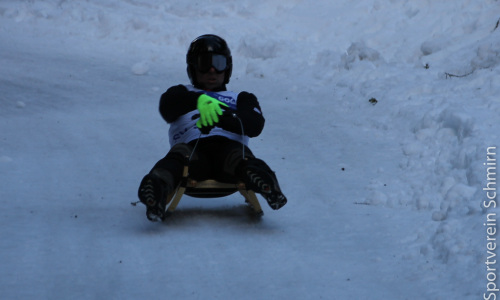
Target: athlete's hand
(210, 110)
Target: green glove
(210, 109)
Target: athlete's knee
(234, 159)
(181, 152)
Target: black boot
(259, 178)
(153, 192)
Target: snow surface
(385, 197)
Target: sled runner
(210, 189)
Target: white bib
(184, 130)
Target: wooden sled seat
(211, 189)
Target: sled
(210, 189)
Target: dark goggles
(206, 61)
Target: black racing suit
(219, 153)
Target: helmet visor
(208, 60)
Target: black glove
(206, 129)
(227, 116)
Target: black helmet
(208, 51)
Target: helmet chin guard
(208, 45)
